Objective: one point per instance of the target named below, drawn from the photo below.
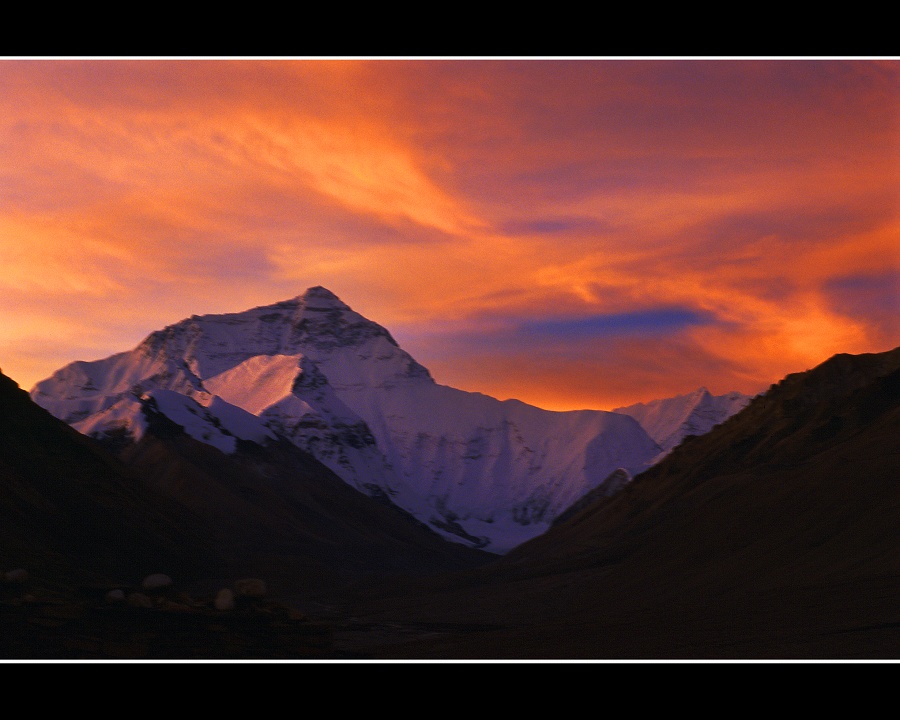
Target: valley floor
(800, 624)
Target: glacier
(668, 421)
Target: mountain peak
(321, 297)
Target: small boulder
(157, 581)
(114, 597)
(250, 588)
(19, 576)
(224, 600)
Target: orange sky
(573, 233)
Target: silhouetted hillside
(279, 511)
(775, 535)
(77, 520)
(68, 508)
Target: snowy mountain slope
(670, 420)
(482, 471)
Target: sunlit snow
(480, 471)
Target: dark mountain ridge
(773, 536)
(70, 509)
(76, 512)
(279, 510)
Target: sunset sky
(574, 233)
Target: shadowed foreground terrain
(78, 522)
(774, 536)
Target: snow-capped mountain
(482, 471)
(670, 420)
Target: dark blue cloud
(654, 321)
(885, 284)
(812, 224)
(552, 226)
(873, 298)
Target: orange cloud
(452, 201)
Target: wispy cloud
(573, 233)
(639, 322)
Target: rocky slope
(72, 511)
(66, 504)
